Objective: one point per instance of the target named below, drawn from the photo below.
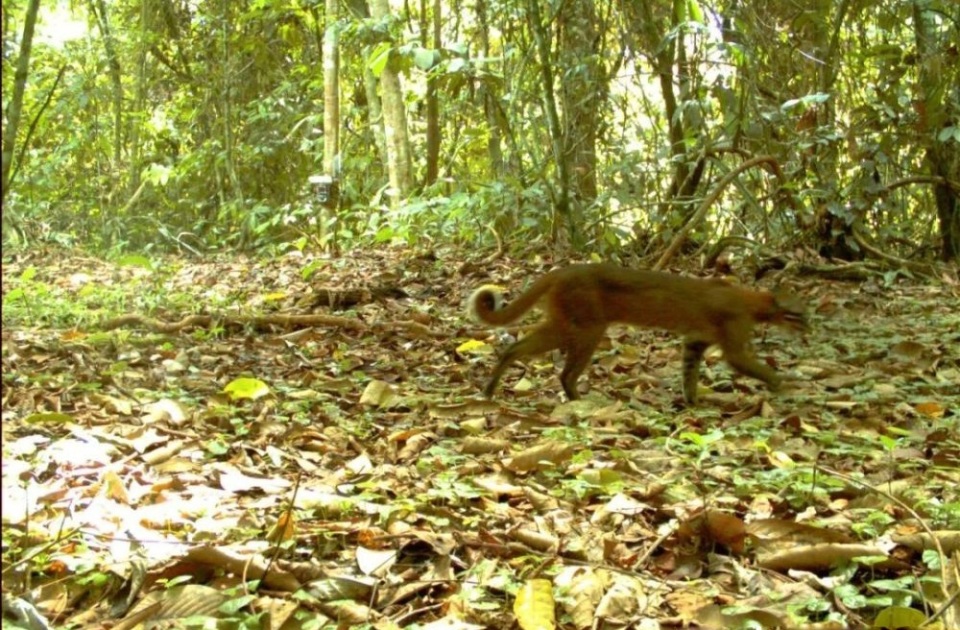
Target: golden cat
(580, 301)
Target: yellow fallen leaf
(781, 460)
(473, 346)
(246, 387)
(930, 409)
(534, 606)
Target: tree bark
(432, 100)
(15, 108)
(938, 77)
(99, 10)
(562, 210)
(491, 109)
(394, 120)
(583, 94)
(331, 106)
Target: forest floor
(319, 428)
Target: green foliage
(46, 302)
(220, 125)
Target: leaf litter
(331, 475)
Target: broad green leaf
(42, 418)
(216, 447)
(603, 477)
(424, 58)
(781, 460)
(311, 269)
(157, 174)
(234, 606)
(899, 617)
(702, 440)
(385, 234)
(809, 99)
(134, 260)
(379, 58)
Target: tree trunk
(394, 120)
(135, 164)
(835, 229)
(562, 209)
(226, 120)
(375, 113)
(369, 98)
(331, 106)
(938, 77)
(490, 106)
(583, 95)
(433, 102)
(948, 210)
(331, 91)
(15, 107)
(99, 11)
(668, 54)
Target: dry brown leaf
(378, 394)
(414, 446)
(714, 526)
(545, 454)
(949, 541)
(816, 557)
(481, 446)
(176, 604)
(686, 603)
(584, 588)
(283, 529)
(539, 541)
(623, 601)
(779, 531)
(712, 617)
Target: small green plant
(20, 304)
(700, 444)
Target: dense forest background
(197, 126)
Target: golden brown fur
(580, 301)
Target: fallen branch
(915, 267)
(259, 323)
(268, 323)
(851, 272)
(701, 212)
